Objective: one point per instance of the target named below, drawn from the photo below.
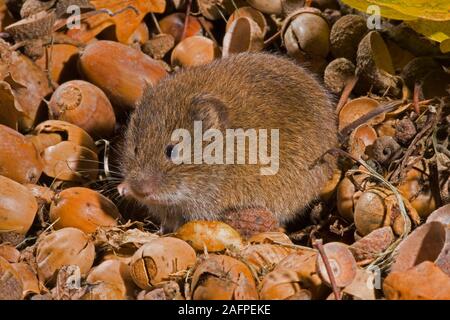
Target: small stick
(318, 244)
(155, 21)
(346, 93)
(417, 88)
(272, 39)
(186, 19)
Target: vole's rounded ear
(210, 110)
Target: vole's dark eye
(169, 150)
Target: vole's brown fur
(242, 91)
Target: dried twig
(318, 244)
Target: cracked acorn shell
(194, 51)
(375, 67)
(156, 260)
(220, 277)
(355, 109)
(85, 105)
(429, 242)
(243, 35)
(11, 287)
(84, 209)
(52, 132)
(250, 13)
(14, 146)
(67, 246)
(18, 207)
(68, 161)
(131, 70)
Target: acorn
(84, 209)
(303, 263)
(348, 194)
(18, 207)
(194, 51)
(67, 246)
(85, 105)
(116, 273)
(64, 59)
(375, 67)
(417, 189)
(282, 284)
(306, 36)
(243, 35)
(212, 236)
(345, 36)
(250, 13)
(173, 24)
(220, 277)
(377, 207)
(158, 259)
(131, 69)
(267, 6)
(14, 147)
(337, 74)
(342, 263)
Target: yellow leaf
(386, 12)
(438, 10)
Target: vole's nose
(143, 188)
